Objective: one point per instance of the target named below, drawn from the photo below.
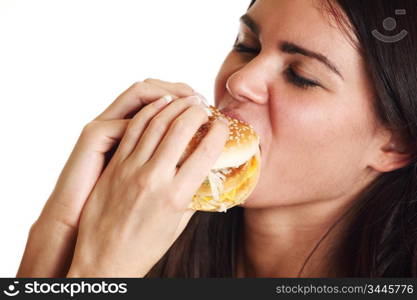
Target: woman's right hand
(52, 237)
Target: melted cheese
(229, 197)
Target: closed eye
(290, 74)
(239, 47)
(298, 80)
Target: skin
(96, 222)
(320, 145)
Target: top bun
(242, 144)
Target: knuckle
(157, 120)
(148, 181)
(185, 102)
(143, 115)
(157, 125)
(120, 174)
(149, 110)
(139, 85)
(199, 111)
(133, 130)
(144, 183)
(198, 114)
(90, 128)
(149, 80)
(179, 125)
(136, 84)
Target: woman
(334, 103)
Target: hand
(52, 237)
(138, 207)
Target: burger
(235, 174)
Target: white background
(63, 62)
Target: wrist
(55, 215)
(48, 251)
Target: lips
(233, 114)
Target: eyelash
(290, 74)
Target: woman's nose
(250, 82)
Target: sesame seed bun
(235, 174)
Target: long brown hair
(381, 241)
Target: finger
(157, 128)
(132, 100)
(197, 166)
(137, 125)
(178, 136)
(82, 169)
(179, 89)
(101, 136)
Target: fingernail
(203, 99)
(163, 101)
(168, 98)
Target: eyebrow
(292, 48)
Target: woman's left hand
(51, 241)
(139, 205)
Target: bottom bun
(235, 192)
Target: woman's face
(303, 87)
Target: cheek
(327, 140)
(316, 151)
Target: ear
(392, 155)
